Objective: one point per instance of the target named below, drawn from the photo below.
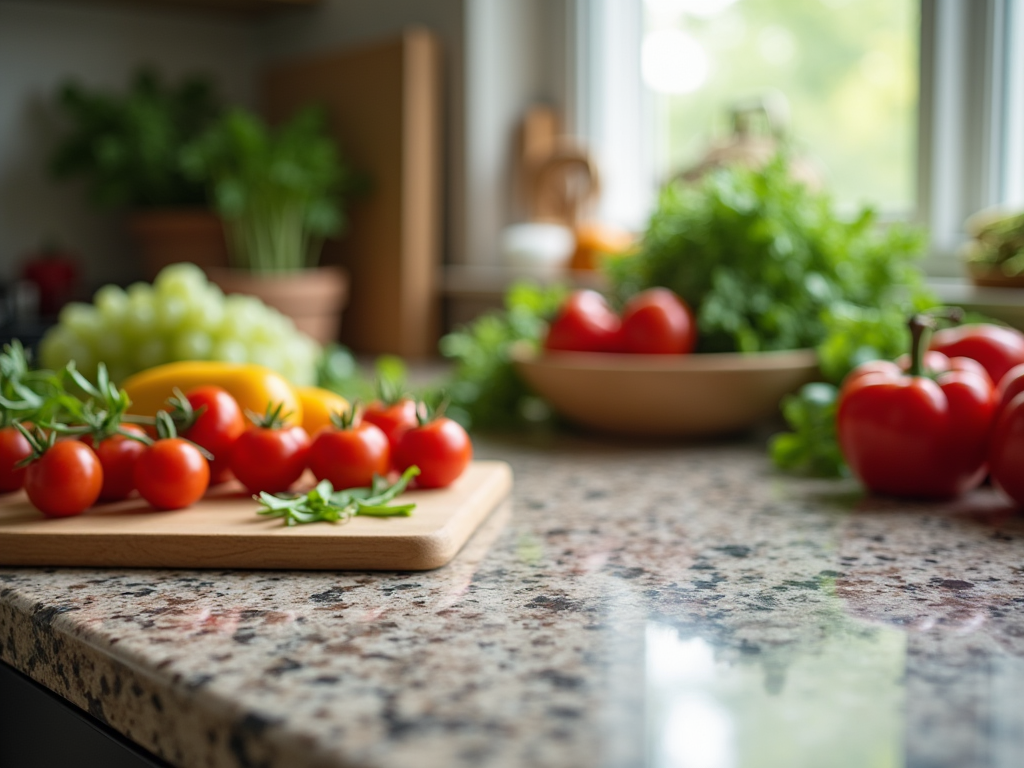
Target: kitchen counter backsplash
(630, 605)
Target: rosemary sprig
(324, 504)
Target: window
(838, 76)
(916, 106)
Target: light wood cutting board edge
(296, 548)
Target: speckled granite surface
(632, 605)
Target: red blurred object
(55, 272)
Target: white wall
(43, 44)
(515, 57)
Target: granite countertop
(632, 605)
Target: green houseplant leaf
(128, 146)
(280, 191)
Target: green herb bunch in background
(764, 260)
(280, 191)
(485, 392)
(128, 147)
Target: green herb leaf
(323, 504)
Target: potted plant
(280, 193)
(128, 147)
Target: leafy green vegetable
(763, 260)
(485, 392)
(129, 146)
(324, 504)
(811, 448)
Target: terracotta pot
(986, 276)
(166, 236)
(313, 298)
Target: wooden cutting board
(224, 531)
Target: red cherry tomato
(117, 455)
(1006, 454)
(350, 457)
(392, 419)
(998, 349)
(13, 449)
(172, 474)
(585, 323)
(657, 322)
(440, 448)
(270, 459)
(216, 428)
(64, 481)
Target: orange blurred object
(594, 240)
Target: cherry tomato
(393, 419)
(440, 448)
(585, 323)
(117, 455)
(350, 457)
(13, 449)
(998, 349)
(270, 459)
(66, 480)
(172, 474)
(216, 428)
(657, 322)
(1006, 453)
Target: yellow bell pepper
(317, 406)
(253, 386)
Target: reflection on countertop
(635, 604)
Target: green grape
(179, 281)
(112, 303)
(170, 313)
(140, 319)
(192, 345)
(238, 317)
(81, 319)
(229, 350)
(204, 310)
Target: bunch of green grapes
(181, 316)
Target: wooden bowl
(665, 395)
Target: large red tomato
(585, 323)
(998, 349)
(657, 322)
(1006, 452)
